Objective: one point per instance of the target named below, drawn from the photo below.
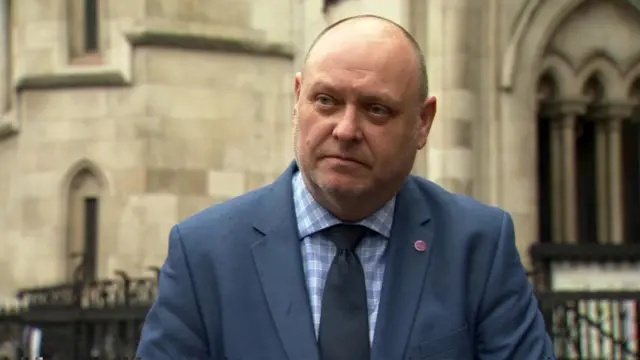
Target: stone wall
(188, 104)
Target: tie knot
(346, 236)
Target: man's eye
(379, 110)
(324, 100)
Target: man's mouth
(344, 159)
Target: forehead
(362, 57)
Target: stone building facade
(121, 118)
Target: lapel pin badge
(420, 246)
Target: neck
(349, 207)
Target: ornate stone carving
(610, 111)
(558, 109)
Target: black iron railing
(588, 324)
(91, 320)
(593, 325)
(103, 319)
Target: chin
(341, 185)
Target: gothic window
(587, 179)
(588, 164)
(90, 227)
(84, 28)
(631, 167)
(83, 225)
(547, 93)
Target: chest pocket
(447, 347)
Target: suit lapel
(278, 259)
(404, 275)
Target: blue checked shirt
(318, 251)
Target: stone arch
(560, 70)
(524, 62)
(602, 68)
(84, 189)
(549, 88)
(532, 32)
(632, 84)
(595, 88)
(85, 166)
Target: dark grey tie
(344, 320)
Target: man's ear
(427, 116)
(298, 85)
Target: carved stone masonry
(609, 117)
(611, 110)
(560, 109)
(564, 116)
(616, 114)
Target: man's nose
(348, 127)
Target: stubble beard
(330, 192)
(333, 193)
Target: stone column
(616, 114)
(569, 198)
(449, 154)
(602, 180)
(557, 215)
(568, 117)
(5, 56)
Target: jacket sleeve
(510, 325)
(173, 328)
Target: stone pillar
(616, 204)
(569, 188)
(567, 116)
(616, 114)
(602, 180)
(449, 154)
(557, 223)
(5, 56)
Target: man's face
(359, 120)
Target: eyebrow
(380, 96)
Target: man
(346, 256)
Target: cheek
(390, 148)
(312, 132)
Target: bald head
(371, 28)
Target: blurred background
(120, 118)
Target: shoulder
(468, 231)
(230, 216)
(465, 222)
(465, 209)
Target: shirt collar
(312, 217)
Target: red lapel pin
(420, 246)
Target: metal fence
(93, 320)
(589, 324)
(593, 325)
(103, 319)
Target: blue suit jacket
(233, 288)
